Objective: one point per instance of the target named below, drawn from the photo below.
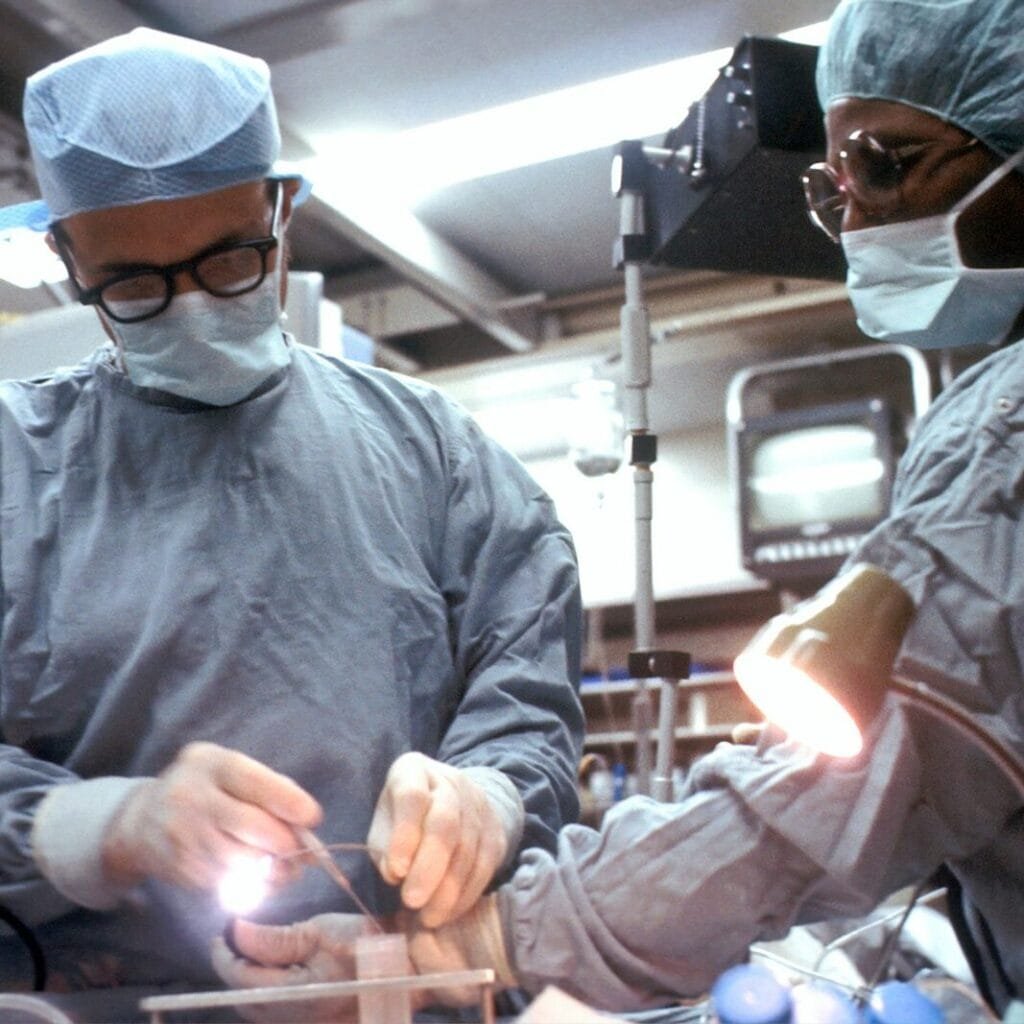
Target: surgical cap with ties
(959, 60)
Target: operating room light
(823, 670)
(820, 671)
(798, 705)
(410, 165)
(245, 885)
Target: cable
(918, 896)
(35, 951)
(809, 972)
(902, 912)
(890, 944)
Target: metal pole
(661, 784)
(636, 361)
(629, 173)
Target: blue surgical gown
(666, 896)
(323, 576)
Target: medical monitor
(811, 483)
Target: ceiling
(516, 264)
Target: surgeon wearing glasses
(922, 187)
(929, 217)
(249, 589)
(193, 346)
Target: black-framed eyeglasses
(142, 292)
(870, 172)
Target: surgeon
(249, 590)
(923, 187)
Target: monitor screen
(827, 473)
(811, 483)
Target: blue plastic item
(898, 1002)
(619, 783)
(751, 994)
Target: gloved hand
(321, 949)
(442, 832)
(473, 941)
(210, 806)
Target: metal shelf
(710, 705)
(625, 737)
(704, 681)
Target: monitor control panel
(838, 546)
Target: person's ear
(290, 187)
(62, 251)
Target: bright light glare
(409, 165)
(245, 885)
(27, 261)
(798, 705)
(813, 35)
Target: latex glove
(476, 940)
(321, 949)
(210, 806)
(442, 832)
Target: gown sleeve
(666, 896)
(510, 580)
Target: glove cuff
(507, 802)
(474, 941)
(480, 934)
(68, 833)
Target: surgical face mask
(908, 282)
(214, 350)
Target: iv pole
(632, 248)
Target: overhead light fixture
(821, 672)
(409, 165)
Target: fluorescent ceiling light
(409, 165)
(813, 35)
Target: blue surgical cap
(960, 60)
(147, 115)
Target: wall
(694, 538)
(39, 342)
